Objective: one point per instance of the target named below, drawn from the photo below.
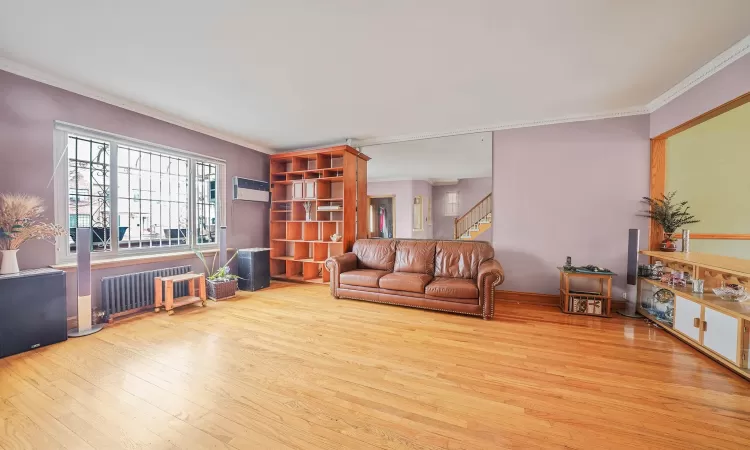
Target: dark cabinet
(32, 310)
(254, 267)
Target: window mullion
(192, 196)
(113, 206)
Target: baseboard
(72, 322)
(530, 298)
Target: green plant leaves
(668, 213)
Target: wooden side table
(587, 303)
(195, 294)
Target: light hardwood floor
(290, 367)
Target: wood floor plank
(292, 368)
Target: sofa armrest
(336, 265)
(490, 275)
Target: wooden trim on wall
(532, 298)
(728, 106)
(658, 181)
(659, 166)
(529, 298)
(721, 236)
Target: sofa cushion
(362, 277)
(415, 256)
(455, 259)
(377, 254)
(405, 281)
(452, 288)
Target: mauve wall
(423, 188)
(403, 190)
(470, 192)
(568, 190)
(28, 110)
(725, 85)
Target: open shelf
(300, 247)
(707, 298)
(310, 242)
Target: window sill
(124, 261)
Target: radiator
(133, 291)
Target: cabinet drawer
(721, 334)
(687, 316)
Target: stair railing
(472, 216)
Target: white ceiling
(293, 73)
(438, 160)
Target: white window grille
(136, 197)
(451, 204)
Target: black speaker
(254, 268)
(634, 235)
(32, 310)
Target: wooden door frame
(393, 216)
(659, 168)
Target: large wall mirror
(438, 188)
(707, 166)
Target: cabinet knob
(705, 325)
(697, 322)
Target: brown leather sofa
(452, 276)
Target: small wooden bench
(195, 294)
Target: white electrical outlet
(624, 295)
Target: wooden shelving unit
(716, 327)
(334, 176)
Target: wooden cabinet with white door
(718, 327)
(310, 191)
(687, 317)
(721, 334)
(298, 190)
(304, 190)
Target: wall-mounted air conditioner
(252, 190)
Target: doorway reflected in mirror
(381, 220)
(436, 188)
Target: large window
(134, 196)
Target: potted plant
(670, 215)
(19, 222)
(220, 284)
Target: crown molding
(724, 59)
(86, 91)
(505, 126)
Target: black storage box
(32, 310)
(254, 268)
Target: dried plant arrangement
(20, 221)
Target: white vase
(10, 262)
